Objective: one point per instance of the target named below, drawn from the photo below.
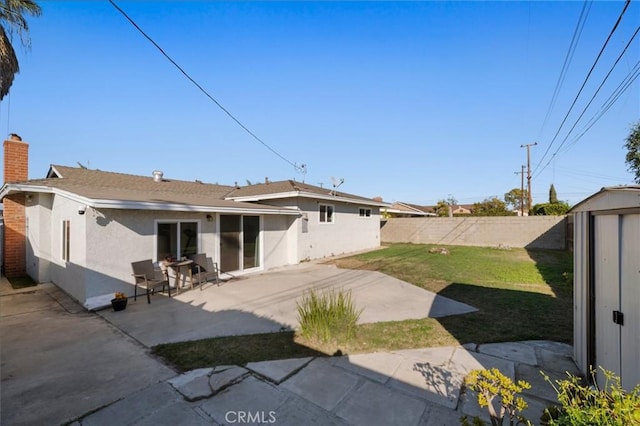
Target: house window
(364, 212)
(326, 213)
(66, 226)
(176, 239)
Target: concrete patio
(266, 302)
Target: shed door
(617, 288)
(630, 301)
(607, 293)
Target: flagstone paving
(406, 387)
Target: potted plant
(119, 302)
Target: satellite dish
(336, 183)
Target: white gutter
(146, 205)
(141, 205)
(10, 188)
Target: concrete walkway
(408, 387)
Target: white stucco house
(607, 283)
(82, 228)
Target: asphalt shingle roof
(100, 185)
(287, 186)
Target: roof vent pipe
(157, 176)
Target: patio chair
(145, 276)
(204, 269)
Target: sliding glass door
(251, 241)
(239, 242)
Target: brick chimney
(16, 162)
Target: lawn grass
(520, 295)
(232, 350)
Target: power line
(622, 87)
(591, 100)
(615, 26)
(577, 32)
(245, 128)
(587, 173)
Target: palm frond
(8, 64)
(13, 17)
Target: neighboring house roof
(101, 189)
(462, 208)
(425, 209)
(409, 209)
(457, 208)
(292, 188)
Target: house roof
(425, 209)
(611, 198)
(292, 188)
(407, 208)
(101, 189)
(454, 207)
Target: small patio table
(177, 267)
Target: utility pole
(529, 200)
(521, 173)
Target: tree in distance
(516, 197)
(632, 158)
(491, 207)
(553, 207)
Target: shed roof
(610, 198)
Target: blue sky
(411, 101)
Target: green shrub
(328, 316)
(587, 405)
(550, 209)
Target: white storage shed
(607, 283)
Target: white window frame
(66, 240)
(332, 216)
(177, 222)
(365, 212)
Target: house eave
(145, 205)
(303, 194)
(10, 188)
(14, 188)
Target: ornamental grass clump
(328, 316)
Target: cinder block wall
(547, 232)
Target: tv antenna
(336, 183)
(302, 169)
